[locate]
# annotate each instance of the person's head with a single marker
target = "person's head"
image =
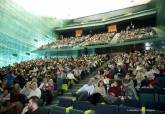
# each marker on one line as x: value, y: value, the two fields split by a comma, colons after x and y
x: 98, y: 72
x: 127, y: 77
x: 28, y: 85
x: 116, y: 77
x: 126, y: 83
x: 45, y: 80
x: 33, y: 103
x: 5, y: 91
x: 16, y: 88
x: 114, y: 83
x: 34, y: 85
x: 100, y: 83
x: 34, y: 79
x: 51, y: 81
x: 90, y: 82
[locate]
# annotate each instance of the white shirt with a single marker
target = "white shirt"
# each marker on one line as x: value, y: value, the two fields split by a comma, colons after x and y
x: 149, y: 74
x: 90, y: 89
x: 70, y: 76
x: 36, y: 92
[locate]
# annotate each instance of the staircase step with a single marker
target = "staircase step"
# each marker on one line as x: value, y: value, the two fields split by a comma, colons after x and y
x: 69, y: 94
x: 67, y: 97
x: 80, y: 84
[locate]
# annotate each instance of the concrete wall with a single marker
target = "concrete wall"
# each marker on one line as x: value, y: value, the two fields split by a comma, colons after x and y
x: 107, y: 15
x: 160, y: 7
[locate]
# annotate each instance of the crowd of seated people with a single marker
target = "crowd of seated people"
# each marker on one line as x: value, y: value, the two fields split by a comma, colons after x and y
x: 66, y: 42
x: 136, y: 34
x: 124, y: 76
x: 39, y: 78
x: 102, y: 38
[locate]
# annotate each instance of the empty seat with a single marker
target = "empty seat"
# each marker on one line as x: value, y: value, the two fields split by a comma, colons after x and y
x: 82, y: 105
x: 161, y: 96
x: 48, y: 110
x: 63, y: 104
x: 147, y: 95
x: 149, y: 105
x: 79, y: 107
x: 161, y: 81
x: 106, y: 109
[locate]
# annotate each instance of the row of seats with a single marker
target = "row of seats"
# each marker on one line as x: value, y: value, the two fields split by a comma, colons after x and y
x: 121, y: 107
x: 159, y: 75
x: 161, y: 79
x: 152, y: 95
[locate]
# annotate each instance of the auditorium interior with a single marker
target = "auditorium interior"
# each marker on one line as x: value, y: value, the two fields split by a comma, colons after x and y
x: 82, y: 57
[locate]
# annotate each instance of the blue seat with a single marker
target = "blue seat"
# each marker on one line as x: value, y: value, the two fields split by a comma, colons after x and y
x: 48, y: 110
x: 160, y: 106
x: 129, y: 110
x: 82, y: 105
x: 161, y: 96
x: 149, y: 105
x: 118, y: 102
x: 147, y: 95
x: 155, y: 106
x: 79, y: 107
x: 57, y: 112
x: 155, y: 112
x: 161, y: 81
x: 131, y: 103
x: 63, y: 104
x: 106, y: 109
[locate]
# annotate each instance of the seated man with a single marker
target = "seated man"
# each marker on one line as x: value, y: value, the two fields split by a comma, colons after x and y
x: 129, y: 90
x: 33, y: 107
x: 100, y: 93
x: 5, y: 96
x: 85, y: 91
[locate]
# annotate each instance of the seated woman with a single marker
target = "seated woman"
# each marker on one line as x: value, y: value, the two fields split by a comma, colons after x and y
x: 5, y: 96
x: 114, y: 92
x: 99, y: 94
x: 98, y: 75
x: 35, y: 91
